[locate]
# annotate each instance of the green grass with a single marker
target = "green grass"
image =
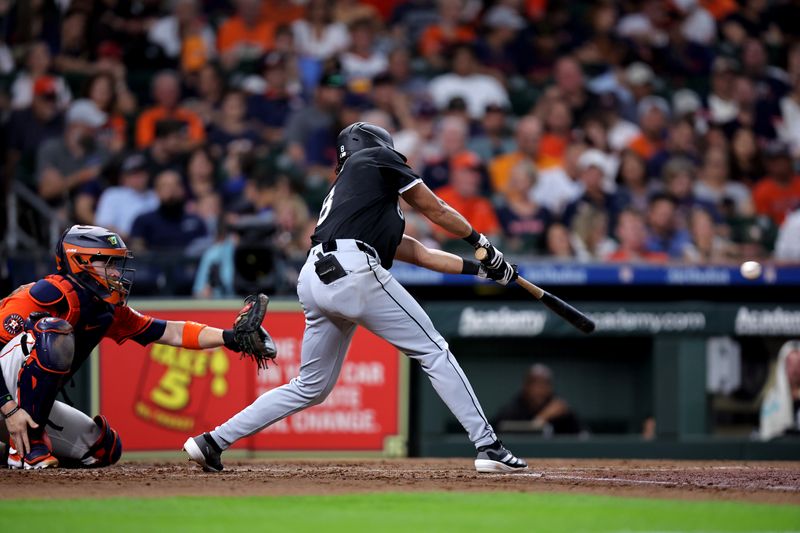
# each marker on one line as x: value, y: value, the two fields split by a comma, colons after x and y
x: 406, y: 512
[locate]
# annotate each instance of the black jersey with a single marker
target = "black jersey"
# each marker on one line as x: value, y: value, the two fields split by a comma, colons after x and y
x: 363, y: 202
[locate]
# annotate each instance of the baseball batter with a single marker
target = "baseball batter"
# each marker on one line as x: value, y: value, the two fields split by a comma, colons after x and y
x: 49, y: 328
x: 346, y: 283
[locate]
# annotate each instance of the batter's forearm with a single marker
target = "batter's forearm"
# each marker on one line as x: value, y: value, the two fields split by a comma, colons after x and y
x: 412, y: 251
x: 451, y: 220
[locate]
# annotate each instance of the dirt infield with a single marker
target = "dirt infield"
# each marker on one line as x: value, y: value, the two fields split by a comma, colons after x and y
x: 771, y: 482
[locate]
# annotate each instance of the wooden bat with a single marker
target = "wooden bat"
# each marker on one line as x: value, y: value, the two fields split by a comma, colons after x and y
x: 556, y: 304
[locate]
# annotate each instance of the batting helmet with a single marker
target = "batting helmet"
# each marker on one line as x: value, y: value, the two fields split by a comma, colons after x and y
x: 361, y: 135
x: 82, y: 248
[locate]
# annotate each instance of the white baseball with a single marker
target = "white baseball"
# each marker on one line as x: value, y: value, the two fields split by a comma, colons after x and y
x: 750, y: 269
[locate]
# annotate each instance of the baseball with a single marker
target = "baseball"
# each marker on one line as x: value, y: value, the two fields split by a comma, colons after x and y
x: 750, y: 269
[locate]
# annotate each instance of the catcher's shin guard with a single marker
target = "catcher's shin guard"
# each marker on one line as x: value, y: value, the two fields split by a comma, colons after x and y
x: 46, y: 367
x: 107, y: 449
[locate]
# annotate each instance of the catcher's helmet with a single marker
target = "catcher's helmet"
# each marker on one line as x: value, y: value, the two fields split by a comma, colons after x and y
x: 80, y: 246
x: 361, y: 135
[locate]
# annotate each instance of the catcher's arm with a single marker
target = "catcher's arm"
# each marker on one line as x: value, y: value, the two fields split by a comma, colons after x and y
x: 208, y: 337
x: 247, y: 336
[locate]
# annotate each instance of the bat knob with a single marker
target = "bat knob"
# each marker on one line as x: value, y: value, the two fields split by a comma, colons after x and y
x: 481, y: 253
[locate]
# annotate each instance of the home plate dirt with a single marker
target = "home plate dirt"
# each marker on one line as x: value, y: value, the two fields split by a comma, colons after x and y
x: 773, y: 482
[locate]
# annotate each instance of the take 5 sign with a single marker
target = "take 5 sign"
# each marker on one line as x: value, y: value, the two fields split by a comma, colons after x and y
x: 156, y: 396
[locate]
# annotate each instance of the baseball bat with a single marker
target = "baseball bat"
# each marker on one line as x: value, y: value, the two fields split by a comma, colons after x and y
x: 556, y: 304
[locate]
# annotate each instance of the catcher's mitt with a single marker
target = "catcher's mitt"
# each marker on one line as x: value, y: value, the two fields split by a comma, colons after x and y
x: 251, y: 338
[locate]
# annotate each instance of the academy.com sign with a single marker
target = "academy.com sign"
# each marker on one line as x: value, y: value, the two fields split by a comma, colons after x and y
x: 503, y: 322
x: 643, y: 321
x: 776, y: 321
x: 506, y: 322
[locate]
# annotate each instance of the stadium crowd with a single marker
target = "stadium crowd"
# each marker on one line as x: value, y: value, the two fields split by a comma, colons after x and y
x: 637, y: 131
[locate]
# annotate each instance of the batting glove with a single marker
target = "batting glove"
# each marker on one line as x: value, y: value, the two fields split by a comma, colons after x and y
x: 503, y: 275
x: 494, y: 259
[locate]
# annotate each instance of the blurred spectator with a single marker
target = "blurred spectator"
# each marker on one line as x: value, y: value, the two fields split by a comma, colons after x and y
x: 679, y: 177
x: 465, y: 81
x: 633, y: 187
x: 363, y: 61
x: 787, y: 246
x: 524, y: 222
x: 166, y: 94
x: 631, y: 234
x: 406, y: 81
x: 169, y: 227
x: 557, y: 120
x: 707, y: 247
x: 789, y: 128
x: 537, y: 407
x: 499, y: 50
x: 593, y: 166
x: 200, y: 174
x: 722, y: 105
x: 68, y: 166
x: 570, y: 87
x: 111, y: 98
x: 310, y: 134
x: 494, y: 138
x: 663, y: 234
x: 697, y: 25
x: 231, y: 127
x: 557, y: 187
x: 746, y: 160
x: 463, y: 194
x: 772, y: 83
x: 166, y: 151
x: 452, y: 141
x: 318, y: 36
x: 387, y: 98
x: 589, y: 235
x: 74, y: 57
x: 210, y: 88
x: 681, y: 142
x: 38, y: 63
x: 559, y: 245
x: 715, y: 187
x: 246, y: 36
x: 448, y: 31
x: 778, y: 192
x: 270, y: 108
x: 528, y: 137
x: 638, y: 83
x: 216, y: 271
x: 184, y: 36
x: 653, y: 113
x: 119, y: 206
x: 27, y: 129
x: 620, y: 132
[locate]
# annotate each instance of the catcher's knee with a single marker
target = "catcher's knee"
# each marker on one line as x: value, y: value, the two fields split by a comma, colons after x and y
x: 107, y: 449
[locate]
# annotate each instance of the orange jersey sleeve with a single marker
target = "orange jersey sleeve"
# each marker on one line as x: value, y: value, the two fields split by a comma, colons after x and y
x: 131, y: 324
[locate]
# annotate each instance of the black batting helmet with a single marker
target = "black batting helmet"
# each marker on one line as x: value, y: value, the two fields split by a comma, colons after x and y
x: 361, y: 135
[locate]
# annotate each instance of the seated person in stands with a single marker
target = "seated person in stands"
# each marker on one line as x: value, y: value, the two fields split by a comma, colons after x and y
x: 537, y: 408
x: 170, y: 226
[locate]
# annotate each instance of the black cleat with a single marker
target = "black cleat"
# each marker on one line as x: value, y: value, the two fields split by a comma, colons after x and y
x: 496, y: 458
x: 204, y: 451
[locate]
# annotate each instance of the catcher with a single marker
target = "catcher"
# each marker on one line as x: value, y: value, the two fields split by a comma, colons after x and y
x: 50, y: 328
